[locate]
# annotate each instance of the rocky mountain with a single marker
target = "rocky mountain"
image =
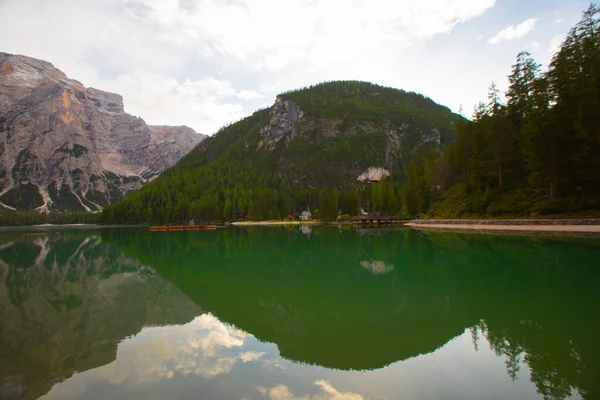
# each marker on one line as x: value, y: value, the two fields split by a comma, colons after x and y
x: 67, y: 147
x: 325, y: 147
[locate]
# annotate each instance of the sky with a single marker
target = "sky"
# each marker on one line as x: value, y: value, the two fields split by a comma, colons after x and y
x: 208, y: 63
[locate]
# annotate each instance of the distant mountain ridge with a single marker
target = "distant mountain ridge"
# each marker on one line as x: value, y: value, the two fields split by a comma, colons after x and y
x: 67, y: 147
x: 320, y: 147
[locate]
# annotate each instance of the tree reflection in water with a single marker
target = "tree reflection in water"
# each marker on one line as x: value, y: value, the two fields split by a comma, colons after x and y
x: 334, y: 298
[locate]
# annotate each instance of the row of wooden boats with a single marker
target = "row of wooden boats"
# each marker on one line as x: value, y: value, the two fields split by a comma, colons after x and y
x: 164, y: 228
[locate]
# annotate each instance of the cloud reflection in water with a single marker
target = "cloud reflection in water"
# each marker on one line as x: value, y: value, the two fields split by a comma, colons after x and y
x: 282, y: 392
x: 205, y: 347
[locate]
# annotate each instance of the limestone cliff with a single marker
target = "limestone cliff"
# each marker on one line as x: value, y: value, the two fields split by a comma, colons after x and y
x: 284, y: 115
x: 65, y: 146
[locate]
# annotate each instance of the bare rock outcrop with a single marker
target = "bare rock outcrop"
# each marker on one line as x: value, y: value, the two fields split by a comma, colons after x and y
x: 373, y: 174
x: 284, y: 116
x: 64, y: 146
x: 110, y: 102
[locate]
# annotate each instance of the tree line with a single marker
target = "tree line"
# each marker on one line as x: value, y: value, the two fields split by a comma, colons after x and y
x: 536, y: 153
x: 33, y: 217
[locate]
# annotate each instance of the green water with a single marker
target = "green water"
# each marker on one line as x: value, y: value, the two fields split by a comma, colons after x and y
x: 298, y: 313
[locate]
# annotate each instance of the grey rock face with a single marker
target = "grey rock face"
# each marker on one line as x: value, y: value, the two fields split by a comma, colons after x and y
x: 169, y: 144
x: 110, y: 102
x: 284, y: 115
x: 64, y: 146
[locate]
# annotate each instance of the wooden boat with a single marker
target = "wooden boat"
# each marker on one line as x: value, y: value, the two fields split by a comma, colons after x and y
x: 208, y: 227
x: 158, y: 228
x: 191, y: 228
x: 175, y: 228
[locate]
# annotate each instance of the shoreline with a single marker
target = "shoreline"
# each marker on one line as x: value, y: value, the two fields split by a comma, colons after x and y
x: 59, y: 226
x: 541, y: 225
x: 53, y: 225
x: 266, y: 223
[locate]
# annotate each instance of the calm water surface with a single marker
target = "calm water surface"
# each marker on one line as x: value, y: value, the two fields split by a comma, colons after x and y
x: 299, y: 313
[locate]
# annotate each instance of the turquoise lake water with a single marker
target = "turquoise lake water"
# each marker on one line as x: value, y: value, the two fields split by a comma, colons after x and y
x: 297, y: 313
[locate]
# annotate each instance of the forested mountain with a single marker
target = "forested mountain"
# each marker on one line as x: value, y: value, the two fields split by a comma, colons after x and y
x: 538, y: 153
x: 322, y: 147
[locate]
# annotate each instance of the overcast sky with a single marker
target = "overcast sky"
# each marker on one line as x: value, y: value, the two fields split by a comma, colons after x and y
x: 206, y: 63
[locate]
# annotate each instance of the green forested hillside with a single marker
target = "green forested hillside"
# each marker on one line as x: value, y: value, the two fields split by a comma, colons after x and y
x: 535, y: 153
x: 538, y: 153
x: 355, y: 101
x: 305, y: 151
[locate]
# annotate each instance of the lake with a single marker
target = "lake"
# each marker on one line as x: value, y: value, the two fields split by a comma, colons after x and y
x: 297, y: 313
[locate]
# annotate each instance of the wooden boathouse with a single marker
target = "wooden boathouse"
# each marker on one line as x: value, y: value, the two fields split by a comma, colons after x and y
x: 376, y: 217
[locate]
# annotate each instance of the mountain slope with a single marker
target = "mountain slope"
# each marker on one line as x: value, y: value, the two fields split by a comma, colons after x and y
x: 307, y: 150
x: 64, y: 146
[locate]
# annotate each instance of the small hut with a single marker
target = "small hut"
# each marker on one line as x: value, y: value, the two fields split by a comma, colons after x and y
x: 306, y: 215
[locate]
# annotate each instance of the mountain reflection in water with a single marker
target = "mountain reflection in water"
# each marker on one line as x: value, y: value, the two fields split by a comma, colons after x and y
x: 127, y: 306
x: 66, y: 301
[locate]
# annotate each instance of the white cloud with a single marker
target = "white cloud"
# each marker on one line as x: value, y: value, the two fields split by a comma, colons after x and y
x: 204, y: 63
x: 208, y: 63
x: 532, y: 46
x: 249, y: 95
x: 558, y: 19
x: 555, y: 44
x: 204, y: 104
x: 514, y: 32
x: 276, y: 36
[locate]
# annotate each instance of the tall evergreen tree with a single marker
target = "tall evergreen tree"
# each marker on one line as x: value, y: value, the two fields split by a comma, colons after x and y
x: 574, y: 77
x: 499, y: 131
